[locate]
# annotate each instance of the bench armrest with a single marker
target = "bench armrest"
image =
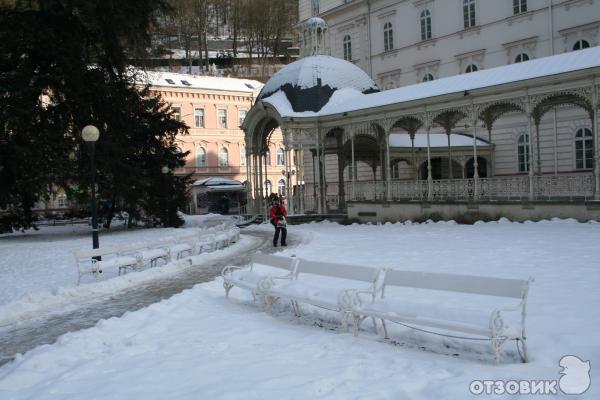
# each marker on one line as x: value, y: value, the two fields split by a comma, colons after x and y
x: 352, y: 297
x: 228, y: 270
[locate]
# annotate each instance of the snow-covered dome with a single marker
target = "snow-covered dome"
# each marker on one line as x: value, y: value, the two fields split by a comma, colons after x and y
x: 310, y: 82
x: 315, y: 22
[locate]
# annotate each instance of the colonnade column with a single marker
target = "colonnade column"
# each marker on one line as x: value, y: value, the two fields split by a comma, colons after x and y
x: 323, y: 179
x: 450, y: 172
x: 248, y: 183
x: 475, y: 161
x: 596, y: 138
x: 317, y: 169
x: 529, y: 152
x: 388, y: 175
x: 353, y: 169
x: 429, y: 176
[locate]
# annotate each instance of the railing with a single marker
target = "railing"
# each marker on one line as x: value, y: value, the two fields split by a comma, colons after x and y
x: 560, y: 187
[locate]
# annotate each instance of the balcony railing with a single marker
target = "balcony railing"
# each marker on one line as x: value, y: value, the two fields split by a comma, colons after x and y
x: 567, y: 187
x: 210, y: 170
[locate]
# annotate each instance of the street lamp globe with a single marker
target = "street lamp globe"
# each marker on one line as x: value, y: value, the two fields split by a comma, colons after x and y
x: 90, y: 133
x: 165, y: 170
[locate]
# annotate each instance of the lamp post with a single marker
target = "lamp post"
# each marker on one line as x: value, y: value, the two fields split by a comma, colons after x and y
x: 90, y: 135
x: 165, y: 171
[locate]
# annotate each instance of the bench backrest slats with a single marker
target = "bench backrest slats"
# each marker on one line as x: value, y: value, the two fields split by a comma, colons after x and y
x: 501, y: 287
x: 269, y: 260
x: 354, y: 272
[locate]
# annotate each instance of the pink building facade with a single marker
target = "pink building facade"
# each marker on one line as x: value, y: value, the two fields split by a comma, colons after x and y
x: 214, y: 108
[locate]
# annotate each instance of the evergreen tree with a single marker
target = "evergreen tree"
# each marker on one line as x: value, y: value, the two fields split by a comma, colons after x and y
x: 63, y: 65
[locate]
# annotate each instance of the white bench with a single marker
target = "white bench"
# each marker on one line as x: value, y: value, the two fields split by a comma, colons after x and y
x: 246, y: 277
x: 87, y: 263
x: 149, y: 252
x: 446, y: 302
x: 329, y: 290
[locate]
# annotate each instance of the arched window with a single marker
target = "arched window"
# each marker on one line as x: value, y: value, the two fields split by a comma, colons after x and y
x: 584, y: 149
x: 428, y: 77
x: 347, y: 48
x: 521, y: 57
x: 388, y: 37
x: 200, y: 157
x: 523, y: 152
x: 469, y: 13
x: 280, y: 157
x: 281, y: 187
x: 243, y: 154
x: 268, y: 187
x: 268, y: 158
x: 471, y: 68
x: 519, y: 6
x: 223, y: 157
x: 425, y: 24
x: 581, y: 44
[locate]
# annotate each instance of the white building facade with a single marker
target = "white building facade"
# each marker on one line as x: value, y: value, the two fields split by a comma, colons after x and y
x: 404, y: 42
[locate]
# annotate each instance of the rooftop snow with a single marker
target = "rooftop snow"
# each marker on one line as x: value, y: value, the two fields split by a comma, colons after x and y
x: 155, y: 78
x: 319, y: 70
x: 547, y: 66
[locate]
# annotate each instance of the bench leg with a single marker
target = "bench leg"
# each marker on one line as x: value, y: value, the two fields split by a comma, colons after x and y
x: 297, y: 309
x: 227, y: 287
x: 385, y: 331
x: 497, y: 344
x: 375, y: 325
x: 356, y: 324
x: 523, y: 353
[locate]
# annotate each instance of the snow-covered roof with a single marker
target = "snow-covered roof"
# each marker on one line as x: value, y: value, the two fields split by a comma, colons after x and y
x: 542, y: 67
x: 310, y: 82
x: 435, y: 139
x: 216, y: 181
x: 176, y: 80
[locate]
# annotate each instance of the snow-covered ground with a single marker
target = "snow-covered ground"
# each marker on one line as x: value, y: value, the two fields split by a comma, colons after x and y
x: 37, y: 268
x: 199, y: 345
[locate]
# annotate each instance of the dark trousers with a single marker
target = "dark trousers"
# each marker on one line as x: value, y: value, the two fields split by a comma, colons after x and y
x: 283, y: 235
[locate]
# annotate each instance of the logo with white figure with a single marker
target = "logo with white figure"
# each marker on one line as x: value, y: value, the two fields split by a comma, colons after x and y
x: 574, y: 379
x: 575, y: 375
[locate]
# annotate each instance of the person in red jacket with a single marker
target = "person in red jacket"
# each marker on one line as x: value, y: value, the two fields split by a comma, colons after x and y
x: 278, y: 214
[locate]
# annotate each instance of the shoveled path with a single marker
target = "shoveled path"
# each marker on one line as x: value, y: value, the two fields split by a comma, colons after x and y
x: 45, y: 330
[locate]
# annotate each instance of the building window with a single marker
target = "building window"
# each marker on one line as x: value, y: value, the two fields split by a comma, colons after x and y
x: 471, y: 68
x: 523, y: 152
x: 519, y: 6
x: 428, y: 77
x: 469, y: 13
x: 200, y: 157
x: 280, y: 157
x: 281, y: 187
x: 222, y: 117
x: 176, y: 113
x: 581, y: 44
x: 242, y: 116
x: 268, y: 158
x: 199, y: 118
x: 521, y: 58
x: 268, y: 187
x: 242, y: 154
x: 223, y: 157
x: 425, y: 25
x: 315, y: 7
x: 61, y: 200
x: 388, y: 37
x: 584, y: 149
x: 347, y: 48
